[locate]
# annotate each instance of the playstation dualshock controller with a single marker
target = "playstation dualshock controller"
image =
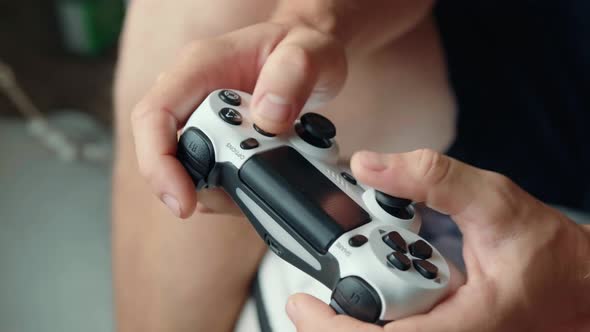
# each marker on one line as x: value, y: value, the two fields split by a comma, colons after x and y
x: 357, y: 241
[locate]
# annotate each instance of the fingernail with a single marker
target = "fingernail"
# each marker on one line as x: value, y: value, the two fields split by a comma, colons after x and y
x: 274, y: 108
x: 172, y: 204
x: 372, y: 161
x: 292, y: 310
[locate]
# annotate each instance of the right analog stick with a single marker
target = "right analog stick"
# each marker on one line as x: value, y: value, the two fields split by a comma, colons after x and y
x: 316, y: 130
x: 397, y: 207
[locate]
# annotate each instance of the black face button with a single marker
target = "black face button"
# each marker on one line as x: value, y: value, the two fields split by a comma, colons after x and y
x: 262, y: 132
x: 354, y: 297
x: 348, y: 178
x: 230, y: 97
x: 250, y: 143
x: 231, y: 116
x: 397, y: 207
x: 399, y: 261
x: 425, y: 268
x: 420, y: 249
x: 316, y: 130
x: 357, y: 241
x: 396, y: 242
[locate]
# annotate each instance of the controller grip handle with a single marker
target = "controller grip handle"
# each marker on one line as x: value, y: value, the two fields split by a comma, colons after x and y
x: 356, y: 298
x: 195, y: 152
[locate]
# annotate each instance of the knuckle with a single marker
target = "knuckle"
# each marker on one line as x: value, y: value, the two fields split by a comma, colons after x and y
x: 145, y: 171
x: 498, y: 180
x: 506, y: 198
x: 434, y: 168
x: 280, y: 28
x: 139, y: 112
x: 192, y: 49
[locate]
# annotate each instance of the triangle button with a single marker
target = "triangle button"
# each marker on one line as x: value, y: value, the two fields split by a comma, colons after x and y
x: 231, y: 116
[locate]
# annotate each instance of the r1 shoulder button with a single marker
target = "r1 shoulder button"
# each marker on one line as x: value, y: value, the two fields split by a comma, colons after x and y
x: 250, y: 143
x: 357, y: 241
x: 231, y: 116
x: 230, y: 97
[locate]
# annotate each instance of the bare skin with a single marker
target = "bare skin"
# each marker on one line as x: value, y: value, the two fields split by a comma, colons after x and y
x: 348, y: 56
x: 175, y: 276
x: 527, y: 264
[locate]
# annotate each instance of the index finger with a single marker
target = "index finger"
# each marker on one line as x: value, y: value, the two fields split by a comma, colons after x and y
x: 229, y: 62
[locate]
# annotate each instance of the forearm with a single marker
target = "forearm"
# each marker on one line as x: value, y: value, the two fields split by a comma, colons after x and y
x: 363, y: 25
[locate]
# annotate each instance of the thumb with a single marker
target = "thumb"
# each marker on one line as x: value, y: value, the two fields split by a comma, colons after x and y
x: 305, y: 65
x: 310, y: 314
x: 473, y: 197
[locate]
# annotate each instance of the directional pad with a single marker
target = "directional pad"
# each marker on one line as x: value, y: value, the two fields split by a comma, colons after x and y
x: 396, y: 242
x: 400, y: 258
x: 420, y: 249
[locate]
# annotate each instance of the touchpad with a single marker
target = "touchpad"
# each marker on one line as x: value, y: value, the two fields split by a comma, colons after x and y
x: 308, y: 201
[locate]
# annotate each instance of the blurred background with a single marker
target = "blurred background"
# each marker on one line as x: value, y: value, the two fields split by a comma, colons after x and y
x: 57, y: 59
x: 56, y: 70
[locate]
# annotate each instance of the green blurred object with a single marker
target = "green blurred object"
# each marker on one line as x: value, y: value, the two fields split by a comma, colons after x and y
x: 90, y: 27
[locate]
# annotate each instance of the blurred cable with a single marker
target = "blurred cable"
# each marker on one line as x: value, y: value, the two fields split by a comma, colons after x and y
x: 16, y: 94
x: 38, y: 126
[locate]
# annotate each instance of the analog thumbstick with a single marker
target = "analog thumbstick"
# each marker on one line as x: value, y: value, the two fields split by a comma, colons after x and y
x: 397, y: 207
x: 316, y: 130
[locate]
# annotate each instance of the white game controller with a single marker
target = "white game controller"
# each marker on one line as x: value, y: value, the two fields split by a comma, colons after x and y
x: 359, y: 242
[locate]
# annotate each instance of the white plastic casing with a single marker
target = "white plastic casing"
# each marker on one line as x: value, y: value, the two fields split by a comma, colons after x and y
x: 402, y: 293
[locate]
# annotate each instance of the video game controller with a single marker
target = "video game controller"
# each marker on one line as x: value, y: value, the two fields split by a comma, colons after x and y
x: 359, y: 242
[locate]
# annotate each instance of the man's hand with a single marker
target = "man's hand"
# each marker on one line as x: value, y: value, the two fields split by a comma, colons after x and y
x: 297, y: 58
x: 528, y: 266
x: 284, y: 66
